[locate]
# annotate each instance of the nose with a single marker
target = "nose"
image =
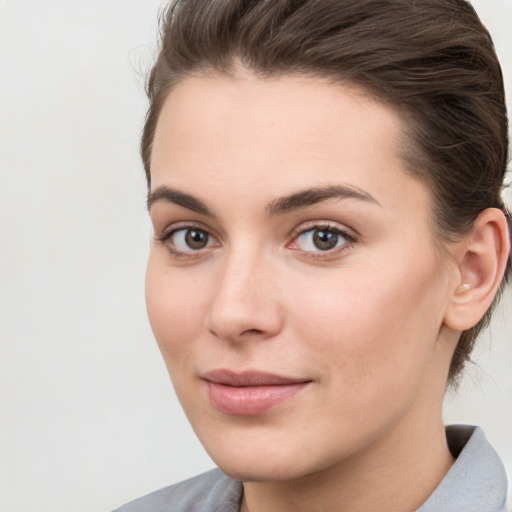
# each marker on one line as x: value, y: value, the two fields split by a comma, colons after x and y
x: 245, y: 304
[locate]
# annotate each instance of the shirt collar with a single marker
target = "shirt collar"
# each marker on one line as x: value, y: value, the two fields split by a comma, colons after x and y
x: 477, y: 480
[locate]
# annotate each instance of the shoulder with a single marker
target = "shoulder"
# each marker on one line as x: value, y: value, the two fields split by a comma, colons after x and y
x: 210, y: 492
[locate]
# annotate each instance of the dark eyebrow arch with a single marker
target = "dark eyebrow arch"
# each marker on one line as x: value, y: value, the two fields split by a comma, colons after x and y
x: 173, y: 196
x: 309, y: 197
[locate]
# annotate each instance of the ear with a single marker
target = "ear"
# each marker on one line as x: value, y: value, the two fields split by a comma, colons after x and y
x: 481, y: 259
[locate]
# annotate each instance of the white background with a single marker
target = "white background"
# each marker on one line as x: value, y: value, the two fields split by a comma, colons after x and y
x: 88, y: 419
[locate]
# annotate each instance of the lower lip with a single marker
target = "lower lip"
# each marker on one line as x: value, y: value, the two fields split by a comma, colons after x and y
x: 251, y: 400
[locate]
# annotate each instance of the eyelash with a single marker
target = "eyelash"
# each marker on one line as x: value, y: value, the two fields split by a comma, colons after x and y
x: 167, y: 235
x: 326, y: 227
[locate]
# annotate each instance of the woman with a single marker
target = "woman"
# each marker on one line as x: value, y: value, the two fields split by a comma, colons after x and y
x: 329, y: 239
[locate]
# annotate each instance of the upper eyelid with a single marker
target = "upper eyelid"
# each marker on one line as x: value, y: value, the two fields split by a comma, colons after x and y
x: 316, y: 224
x: 177, y: 226
x: 338, y: 232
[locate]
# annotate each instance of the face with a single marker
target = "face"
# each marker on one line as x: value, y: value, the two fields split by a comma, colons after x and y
x: 293, y: 283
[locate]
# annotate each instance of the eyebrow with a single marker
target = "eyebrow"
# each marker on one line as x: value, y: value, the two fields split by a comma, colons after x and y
x: 281, y: 205
x: 173, y: 196
x: 311, y: 196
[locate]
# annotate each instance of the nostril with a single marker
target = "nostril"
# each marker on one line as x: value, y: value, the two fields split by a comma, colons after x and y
x: 248, y: 333
x: 251, y: 331
x: 237, y: 317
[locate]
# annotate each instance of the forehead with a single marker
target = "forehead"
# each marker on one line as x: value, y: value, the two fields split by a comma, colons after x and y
x: 292, y: 102
x: 253, y: 134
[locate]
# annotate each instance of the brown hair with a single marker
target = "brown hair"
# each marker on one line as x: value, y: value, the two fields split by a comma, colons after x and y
x: 432, y: 60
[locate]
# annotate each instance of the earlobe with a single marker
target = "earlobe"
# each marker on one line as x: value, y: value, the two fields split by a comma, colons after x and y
x: 481, y: 262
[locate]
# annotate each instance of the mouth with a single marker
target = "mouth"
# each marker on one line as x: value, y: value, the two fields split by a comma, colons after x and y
x: 250, y: 393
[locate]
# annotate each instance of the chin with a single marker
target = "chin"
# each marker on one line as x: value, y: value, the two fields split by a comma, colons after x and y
x: 241, y: 464
x: 268, y: 463
x: 264, y: 472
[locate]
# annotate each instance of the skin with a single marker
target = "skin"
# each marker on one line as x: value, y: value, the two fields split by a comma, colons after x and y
x: 363, y: 323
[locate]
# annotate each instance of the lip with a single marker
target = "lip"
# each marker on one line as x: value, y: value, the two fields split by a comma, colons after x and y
x: 251, y: 392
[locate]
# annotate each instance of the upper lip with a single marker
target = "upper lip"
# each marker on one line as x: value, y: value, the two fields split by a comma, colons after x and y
x: 249, y: 378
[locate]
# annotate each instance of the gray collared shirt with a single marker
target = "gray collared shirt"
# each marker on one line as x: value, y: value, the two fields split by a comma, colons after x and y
x: 476, y: 483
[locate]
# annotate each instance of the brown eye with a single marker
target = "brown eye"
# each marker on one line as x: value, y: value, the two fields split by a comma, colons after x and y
x: 322, y: 239
x: 325, y: 240
x: 196, y: 239
x: 189, y: 239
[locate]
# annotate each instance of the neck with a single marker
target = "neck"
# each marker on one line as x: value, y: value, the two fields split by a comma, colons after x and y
x: 395, y: 474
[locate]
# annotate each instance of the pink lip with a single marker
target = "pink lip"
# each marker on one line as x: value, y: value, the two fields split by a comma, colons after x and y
x: 249, y: 393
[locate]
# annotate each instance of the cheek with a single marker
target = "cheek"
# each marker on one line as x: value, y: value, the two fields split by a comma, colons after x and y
x: 373, y: 324
x: 174, y: 305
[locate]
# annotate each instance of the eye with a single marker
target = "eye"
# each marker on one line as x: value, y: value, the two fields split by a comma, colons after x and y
x: 194, y: 239
x: 322, y: 239
x: 187, y: 239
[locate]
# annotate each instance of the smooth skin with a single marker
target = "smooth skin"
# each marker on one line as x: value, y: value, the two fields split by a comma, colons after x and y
x: 346, y: 290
